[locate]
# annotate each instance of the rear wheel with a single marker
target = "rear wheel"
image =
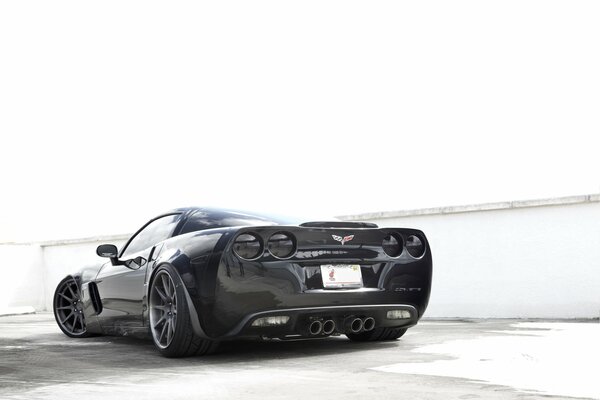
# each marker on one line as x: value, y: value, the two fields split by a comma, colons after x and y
x: 169, y: 317
x: 377, y: 334
x: 68, y: 309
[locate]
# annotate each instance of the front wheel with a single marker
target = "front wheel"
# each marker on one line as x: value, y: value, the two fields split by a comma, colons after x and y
x: 68, y: 309
x: 169, y: 317
x: 377, y: 334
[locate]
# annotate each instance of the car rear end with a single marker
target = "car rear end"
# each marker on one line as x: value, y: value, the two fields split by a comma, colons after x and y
x: 317, y: 280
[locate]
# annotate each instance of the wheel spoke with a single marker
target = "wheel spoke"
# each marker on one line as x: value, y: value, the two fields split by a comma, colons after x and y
x: 64, y: 308
x: 65, y: 297
x: 165, y: 282
x: 170, y: 331
x: 67, y: 317
x: 162, y: 333
x: 159, y: 321
x: 162, y: 295
x: 72, y: 292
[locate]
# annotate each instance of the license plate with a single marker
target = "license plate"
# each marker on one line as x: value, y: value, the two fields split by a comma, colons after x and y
x: 341, y: 275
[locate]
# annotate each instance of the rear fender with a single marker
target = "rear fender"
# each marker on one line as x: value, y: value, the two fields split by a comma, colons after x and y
x: 182, y: 265
x: 196, y: 259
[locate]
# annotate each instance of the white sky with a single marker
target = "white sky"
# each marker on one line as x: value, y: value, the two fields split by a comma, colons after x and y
x: 111, y: 112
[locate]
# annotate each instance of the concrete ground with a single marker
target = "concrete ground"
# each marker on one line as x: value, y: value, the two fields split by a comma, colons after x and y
x: 484, y: 359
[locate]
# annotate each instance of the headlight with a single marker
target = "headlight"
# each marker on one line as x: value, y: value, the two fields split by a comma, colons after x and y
x: 282, y: 245
x: 415, y: 246
x: 248, y: 246
x: 392, y: 244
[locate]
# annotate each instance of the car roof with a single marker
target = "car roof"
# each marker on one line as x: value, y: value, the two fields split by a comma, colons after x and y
x: 216, y: 212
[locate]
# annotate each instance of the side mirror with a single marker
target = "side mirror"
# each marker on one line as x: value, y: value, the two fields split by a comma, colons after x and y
x: 111, y: 251
x: 107, y: 250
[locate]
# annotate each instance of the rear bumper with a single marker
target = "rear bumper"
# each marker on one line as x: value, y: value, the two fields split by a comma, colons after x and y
x: 301, y: 318
x: 241, y: 294
x: 228, y: 293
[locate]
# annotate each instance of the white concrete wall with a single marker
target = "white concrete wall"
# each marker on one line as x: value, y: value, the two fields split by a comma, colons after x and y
x: 63, y: 259
x: 521, y: 259
x: 541, y: 261
x: 22, y: 279
x: 32, y: 271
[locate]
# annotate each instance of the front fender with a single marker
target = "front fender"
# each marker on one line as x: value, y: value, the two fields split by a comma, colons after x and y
x: 83, y: 278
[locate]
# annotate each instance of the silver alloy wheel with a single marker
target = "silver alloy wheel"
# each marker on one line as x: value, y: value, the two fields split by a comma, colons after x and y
x: 69, y: 308
x: 163, y: 309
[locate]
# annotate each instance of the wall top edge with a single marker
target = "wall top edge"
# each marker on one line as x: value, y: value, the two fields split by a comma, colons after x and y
x: 63, y: 242
x: 505, y: 205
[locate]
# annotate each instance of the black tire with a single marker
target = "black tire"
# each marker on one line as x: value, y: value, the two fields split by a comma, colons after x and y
x: 68, y: 309
x: 377, y: 334
x: 169, y: 318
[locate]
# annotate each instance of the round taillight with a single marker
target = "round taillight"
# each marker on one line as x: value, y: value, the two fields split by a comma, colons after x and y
x: 248, y: 246
x: 282, y: 245
x: 415, y: 246
x: 392, y: 244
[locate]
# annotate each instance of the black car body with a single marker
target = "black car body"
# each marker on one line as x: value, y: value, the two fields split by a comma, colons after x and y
x: 228, y: 274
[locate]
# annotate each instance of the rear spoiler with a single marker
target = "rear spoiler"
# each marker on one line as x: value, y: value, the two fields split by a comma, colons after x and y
x: 338, y: 224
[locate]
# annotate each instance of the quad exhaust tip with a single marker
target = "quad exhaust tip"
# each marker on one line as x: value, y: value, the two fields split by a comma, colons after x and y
x: 354, y: 324
x: 315, y: 327
x: 328, y: 327
x: 369, y: 324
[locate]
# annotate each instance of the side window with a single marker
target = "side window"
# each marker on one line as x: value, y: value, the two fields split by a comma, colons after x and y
x: 153, y: 233
x: 200, y: 221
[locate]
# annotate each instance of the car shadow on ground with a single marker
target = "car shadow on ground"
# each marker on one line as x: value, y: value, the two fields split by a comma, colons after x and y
x: 242, y: 350
x: 53, y: 359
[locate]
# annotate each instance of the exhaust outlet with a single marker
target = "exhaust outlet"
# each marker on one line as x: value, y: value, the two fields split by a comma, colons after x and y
x: 315, y: 327
x: 353, y: 324
x: 369, y: 324
x: 328, y: 327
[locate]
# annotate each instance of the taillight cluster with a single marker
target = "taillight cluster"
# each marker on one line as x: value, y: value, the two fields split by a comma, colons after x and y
x: 283, y: 245
x: 415, y: 246
x: 394, y: 243
x: 250, y: 246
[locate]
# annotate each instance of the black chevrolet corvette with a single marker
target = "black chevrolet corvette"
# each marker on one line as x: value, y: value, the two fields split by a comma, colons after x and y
x: 196, y: 276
